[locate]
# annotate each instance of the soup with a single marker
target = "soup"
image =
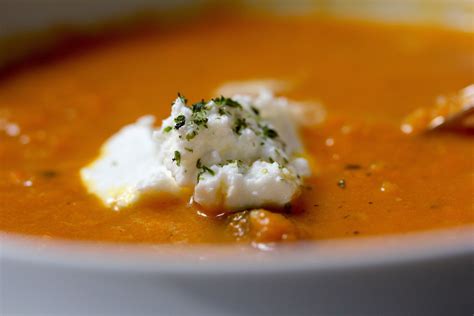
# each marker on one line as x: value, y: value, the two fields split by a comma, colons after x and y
x: 368, y: 178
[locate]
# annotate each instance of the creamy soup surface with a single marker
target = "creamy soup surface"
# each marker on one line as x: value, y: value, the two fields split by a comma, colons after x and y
x: 368, y: 178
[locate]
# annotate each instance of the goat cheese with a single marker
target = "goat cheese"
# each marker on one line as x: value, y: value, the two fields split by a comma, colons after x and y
x: 127, y: 168
x: 232, y: 153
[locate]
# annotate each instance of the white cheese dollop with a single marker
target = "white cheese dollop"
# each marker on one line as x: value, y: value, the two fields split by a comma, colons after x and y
x: 232, y: 153
x: 127, y: 168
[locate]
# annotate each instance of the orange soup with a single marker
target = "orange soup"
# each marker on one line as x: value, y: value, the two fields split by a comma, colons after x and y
x: 369, y: 178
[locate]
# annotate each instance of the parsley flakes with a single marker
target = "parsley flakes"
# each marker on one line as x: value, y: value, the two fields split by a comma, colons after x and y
x: 203, y: 169
x: 180, y: 120
x: 268, y: 132
x: 199, y: 106
x: 182, y: 98
x: 177, y: 158
x: 191, y: 135
x: 239, y: 125
x: 255, y: 110
x: 223, y: 101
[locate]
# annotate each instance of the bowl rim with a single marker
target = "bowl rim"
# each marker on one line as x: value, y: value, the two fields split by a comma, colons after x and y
x: 315, y: 256
x: 326, y: 255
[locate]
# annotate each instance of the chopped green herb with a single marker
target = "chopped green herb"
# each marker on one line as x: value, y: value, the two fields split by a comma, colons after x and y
x: 199, y: 106
x: 167, y: 129
x: 199, y: 118
x: 203, y: 169
x: 222, y: 111
x: 191, y: 135
x: 268, y: 132
x: 189, y: 149
x: 239, y: 125
x: 177, y: 158
x: 199, y: 115
x: 209, y: 170
x: 238, y: 162
x: 218, y: 101
x: 182, y: 98
x: 232, y: 103
x: 226, y: 102
x: 341, y: 183
x: 180, y: 120
x: 255, y: 110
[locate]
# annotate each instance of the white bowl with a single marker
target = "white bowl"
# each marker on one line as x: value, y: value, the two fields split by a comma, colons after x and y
x: 417, y: 274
